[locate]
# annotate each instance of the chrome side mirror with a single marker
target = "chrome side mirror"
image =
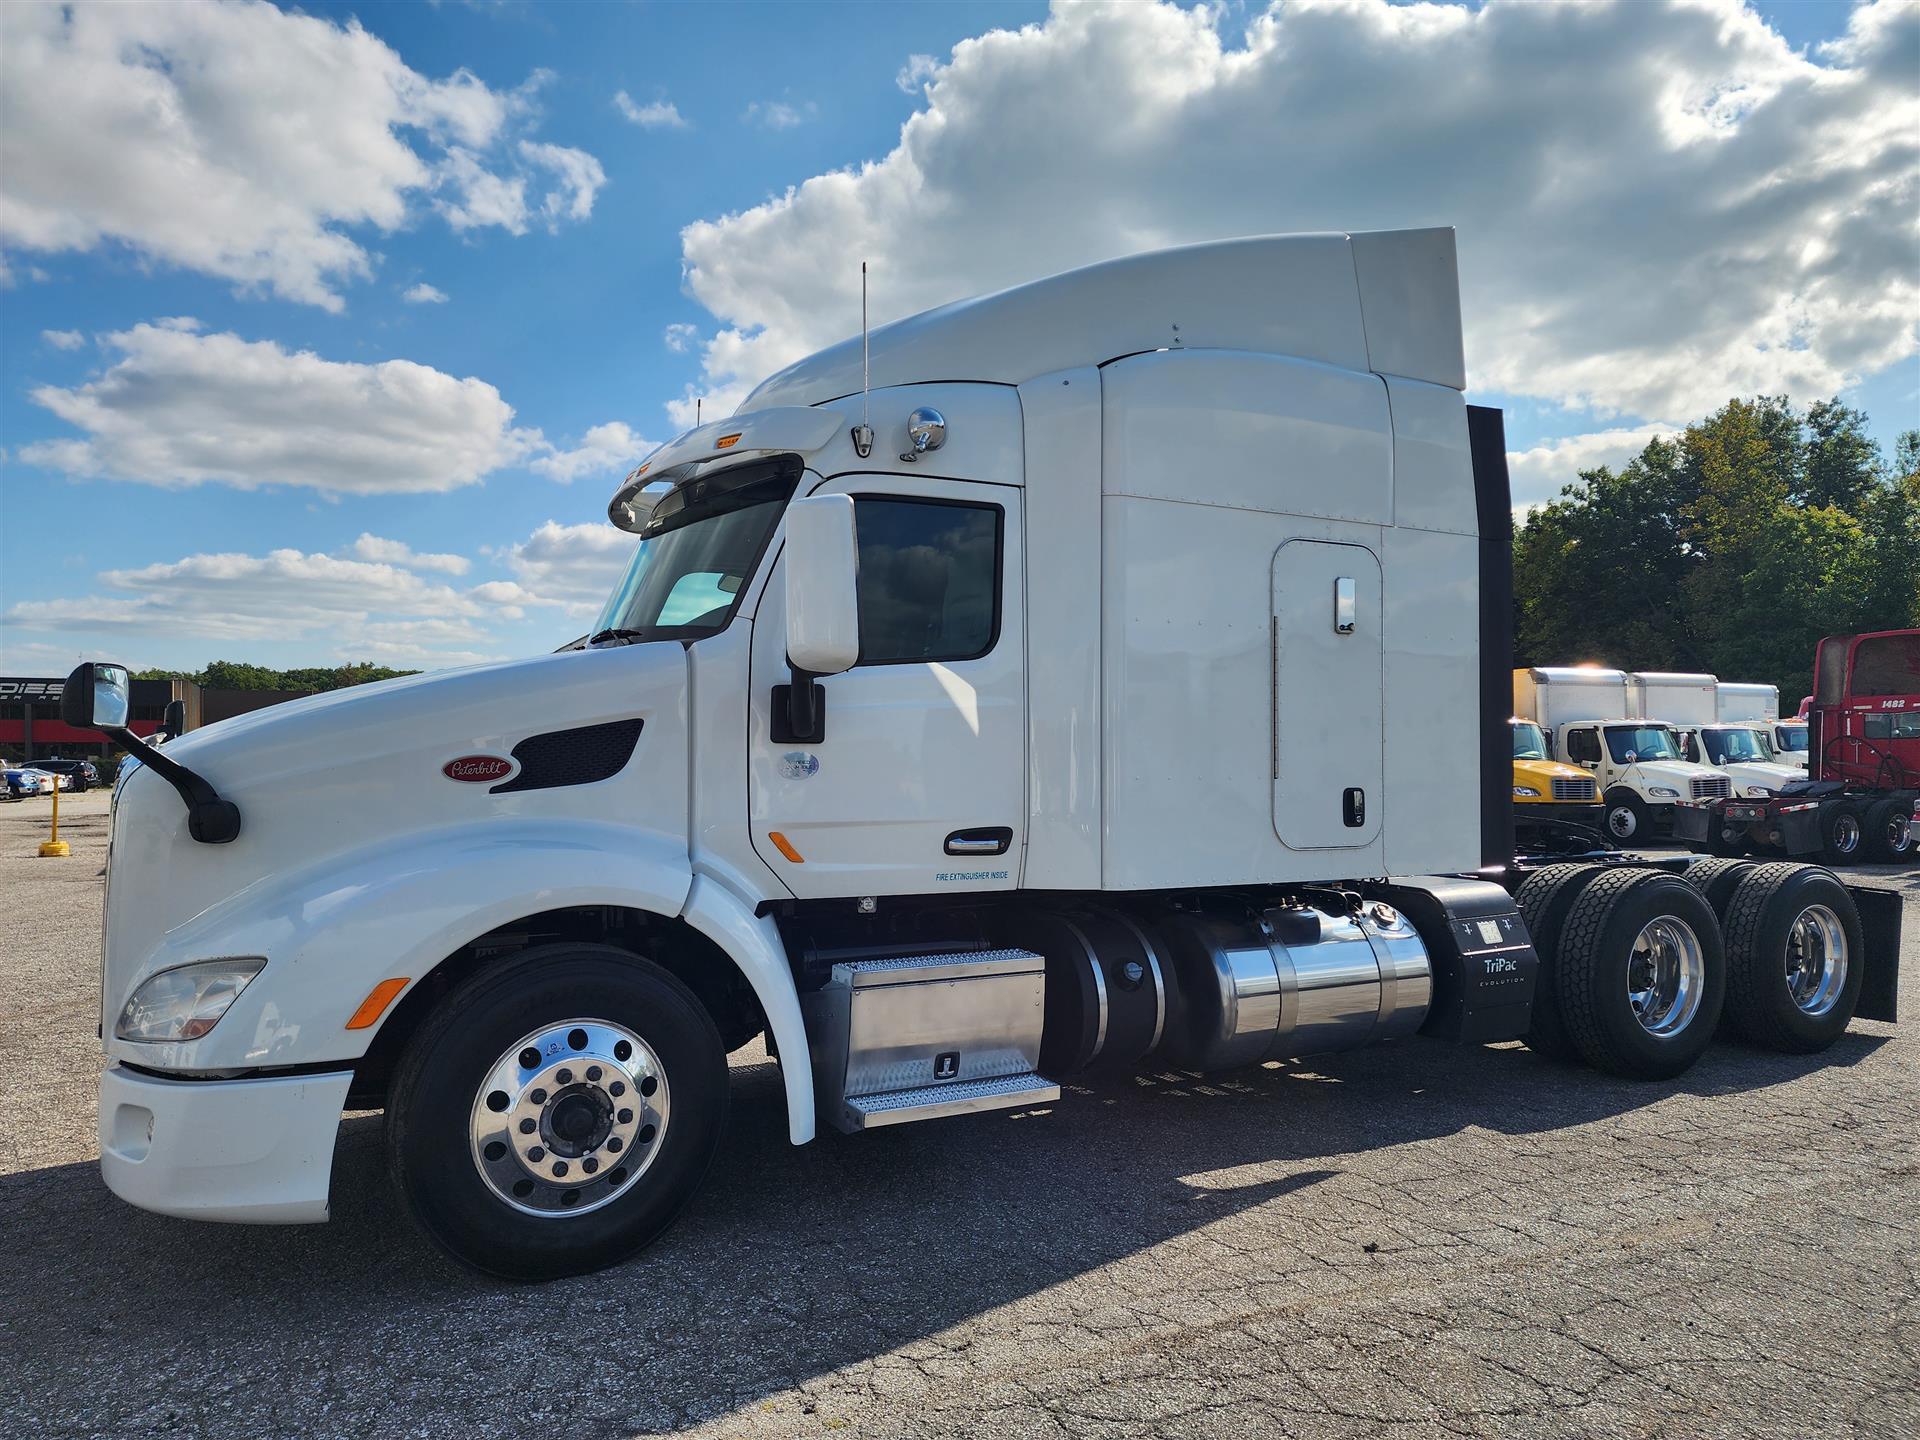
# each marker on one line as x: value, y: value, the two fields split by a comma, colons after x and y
x: 926, y: 429
x: 96, y: 697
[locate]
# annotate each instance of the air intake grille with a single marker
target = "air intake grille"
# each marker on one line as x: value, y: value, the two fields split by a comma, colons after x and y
x: 1713, y: 789
x: 1581, y: 789
x: 572, y: 757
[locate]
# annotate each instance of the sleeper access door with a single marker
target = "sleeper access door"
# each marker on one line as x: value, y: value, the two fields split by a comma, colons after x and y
x: 1327, y: 682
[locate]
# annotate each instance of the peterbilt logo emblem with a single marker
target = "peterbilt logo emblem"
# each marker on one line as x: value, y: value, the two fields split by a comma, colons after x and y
x: 477, y: 769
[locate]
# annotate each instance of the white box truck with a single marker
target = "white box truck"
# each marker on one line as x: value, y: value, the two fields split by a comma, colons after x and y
x: 1749, y: 703
x: 1691, y: 705
x: 1051, y: 705
x: 1588, y: 714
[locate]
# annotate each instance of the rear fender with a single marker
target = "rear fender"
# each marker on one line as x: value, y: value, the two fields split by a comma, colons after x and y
x: 1880, y: 919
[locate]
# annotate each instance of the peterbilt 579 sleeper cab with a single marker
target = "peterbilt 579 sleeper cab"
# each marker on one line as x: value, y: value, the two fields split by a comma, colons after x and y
x: 1064, y: 713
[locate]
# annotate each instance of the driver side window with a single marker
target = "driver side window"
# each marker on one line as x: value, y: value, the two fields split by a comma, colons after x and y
x: 1583, y: 747
x: 929, y: 579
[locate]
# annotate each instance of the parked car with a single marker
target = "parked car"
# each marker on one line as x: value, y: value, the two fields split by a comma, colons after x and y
x: 80, y: 773
x: 22, y: 782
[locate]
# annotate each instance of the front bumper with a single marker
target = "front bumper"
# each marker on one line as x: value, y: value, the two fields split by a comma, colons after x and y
x: 254, y: 1151
x: 1591, y: 812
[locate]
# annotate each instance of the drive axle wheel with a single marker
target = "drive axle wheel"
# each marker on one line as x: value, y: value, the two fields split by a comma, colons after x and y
x: 1889, y: 830
x: 555, y: 1114
x: 1642, y: 974
x: 1543, y: 900
x: 1795, y: 960
x: 1842, y: 836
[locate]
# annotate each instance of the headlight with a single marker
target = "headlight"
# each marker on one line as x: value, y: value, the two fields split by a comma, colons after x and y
x: 187, y: 1001
x: 1663, y: 792
x: 1526, y: 792
x: 1759, y: 792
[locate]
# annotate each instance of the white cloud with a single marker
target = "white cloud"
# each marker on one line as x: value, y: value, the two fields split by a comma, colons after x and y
x: 915, y: 74
x: 286, y: 131
x: 63, y: 339
x: 572, y: 566
x: 679, y: 337
x: 779, y: 114
x: 358, y: 609
x: 1538, y: 474
x: 424, y: 294
x: 180, y: 408
x: 1658, y: 205
x: 604, y: 449
x: 397, y: 552
x: 577, y: 175
x: 658, y: 115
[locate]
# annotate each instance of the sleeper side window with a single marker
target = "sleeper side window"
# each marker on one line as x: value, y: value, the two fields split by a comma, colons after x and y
x: 929, y: 580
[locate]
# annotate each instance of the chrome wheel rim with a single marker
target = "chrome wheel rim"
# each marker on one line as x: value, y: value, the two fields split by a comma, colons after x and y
x: 570, y: 1118
x: 1666, y: 976
x: 1846, y: 834
x: 1816, y: 960
x: 1620, y: 820
x: 1899, y: 834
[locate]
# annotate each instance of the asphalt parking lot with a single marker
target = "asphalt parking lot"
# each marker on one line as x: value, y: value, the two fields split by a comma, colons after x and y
x: 1415, y: 1240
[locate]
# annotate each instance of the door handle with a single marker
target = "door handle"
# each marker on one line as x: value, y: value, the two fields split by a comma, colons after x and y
x: 989, y: 840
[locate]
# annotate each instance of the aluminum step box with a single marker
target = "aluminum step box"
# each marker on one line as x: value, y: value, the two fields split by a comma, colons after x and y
x: 916, y: 1037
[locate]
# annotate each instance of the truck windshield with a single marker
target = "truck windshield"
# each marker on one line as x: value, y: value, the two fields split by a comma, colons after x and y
x: 1790, y: 737
x: 1627, y: 743
x: 1528, y: 742
x: 1728, y: 747
x: 686, y: 578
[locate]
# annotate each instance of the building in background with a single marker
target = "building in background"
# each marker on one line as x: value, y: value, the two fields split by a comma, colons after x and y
x: 31, y: 728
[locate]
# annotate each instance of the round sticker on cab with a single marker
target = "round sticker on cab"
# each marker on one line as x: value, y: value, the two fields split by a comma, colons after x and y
x: 478, y: 769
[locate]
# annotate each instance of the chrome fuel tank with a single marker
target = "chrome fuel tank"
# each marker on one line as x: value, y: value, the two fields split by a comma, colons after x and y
x: 1291, y: 980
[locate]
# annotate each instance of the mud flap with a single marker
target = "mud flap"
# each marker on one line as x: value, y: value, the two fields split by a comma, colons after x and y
x: 1880, y: 917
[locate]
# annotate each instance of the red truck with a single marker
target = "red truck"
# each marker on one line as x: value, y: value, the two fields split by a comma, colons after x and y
x: 1861, y: 797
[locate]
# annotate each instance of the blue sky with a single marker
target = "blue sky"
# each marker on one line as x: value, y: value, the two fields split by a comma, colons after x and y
x: 598, y: 314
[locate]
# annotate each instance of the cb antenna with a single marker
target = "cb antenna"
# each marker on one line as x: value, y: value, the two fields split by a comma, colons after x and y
x: 863, y: 432
x: 697, y: 401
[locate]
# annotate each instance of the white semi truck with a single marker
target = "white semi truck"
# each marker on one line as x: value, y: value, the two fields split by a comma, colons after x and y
x: 1693, y: 706
x: 1052, y: 705
x: 1588, y: 714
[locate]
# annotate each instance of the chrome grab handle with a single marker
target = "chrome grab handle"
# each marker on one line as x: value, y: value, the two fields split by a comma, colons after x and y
x: 985, y: 840
x: 973, y: 847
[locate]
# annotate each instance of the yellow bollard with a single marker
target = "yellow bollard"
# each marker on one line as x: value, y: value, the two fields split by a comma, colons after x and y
x: 54, y: 846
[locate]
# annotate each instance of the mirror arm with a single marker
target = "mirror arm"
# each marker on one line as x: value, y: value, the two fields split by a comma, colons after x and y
x: 803, y: 706
x: 210, y: 820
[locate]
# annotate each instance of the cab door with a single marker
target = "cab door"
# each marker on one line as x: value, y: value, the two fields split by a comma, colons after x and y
x: 918, y: 782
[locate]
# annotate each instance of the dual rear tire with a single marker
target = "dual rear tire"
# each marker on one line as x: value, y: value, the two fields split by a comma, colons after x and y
x: 1638, y: 966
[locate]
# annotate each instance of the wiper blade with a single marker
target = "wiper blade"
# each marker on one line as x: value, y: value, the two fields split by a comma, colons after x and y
x: 598, y: 636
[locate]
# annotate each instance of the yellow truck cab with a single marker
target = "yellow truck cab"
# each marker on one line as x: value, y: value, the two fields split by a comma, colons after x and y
x: 1545, y: 789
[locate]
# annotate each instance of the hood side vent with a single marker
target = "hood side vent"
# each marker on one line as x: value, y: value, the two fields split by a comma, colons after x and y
x: 572, y: 757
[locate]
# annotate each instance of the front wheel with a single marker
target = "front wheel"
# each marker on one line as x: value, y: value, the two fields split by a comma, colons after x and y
x: 1627, y: 818
x: 557, y: 1114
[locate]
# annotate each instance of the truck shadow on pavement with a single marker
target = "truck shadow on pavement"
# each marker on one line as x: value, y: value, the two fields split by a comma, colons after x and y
x: 792, y: 1263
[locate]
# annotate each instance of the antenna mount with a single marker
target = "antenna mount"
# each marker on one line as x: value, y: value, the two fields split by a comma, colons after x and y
x: 863, y: 432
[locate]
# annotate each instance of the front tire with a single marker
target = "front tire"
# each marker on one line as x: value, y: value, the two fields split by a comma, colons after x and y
x: 1642, y: 974
x: 555, y: 1115
x: 1627, y: 817
x: 1795, y: 958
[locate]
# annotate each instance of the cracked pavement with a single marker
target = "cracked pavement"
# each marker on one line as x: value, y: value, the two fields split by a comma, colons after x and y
x: 1413, y: 1240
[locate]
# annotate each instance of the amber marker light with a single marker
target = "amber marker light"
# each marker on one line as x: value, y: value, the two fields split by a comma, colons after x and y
x: 785, y: 847
x: 375, y: 1005
x: 727, y: 442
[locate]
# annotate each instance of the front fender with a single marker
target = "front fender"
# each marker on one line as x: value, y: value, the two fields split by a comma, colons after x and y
x: 332, y: 932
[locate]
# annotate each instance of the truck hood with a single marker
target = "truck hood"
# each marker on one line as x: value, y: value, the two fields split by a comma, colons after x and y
x: 1744, y: 773
x: 1674, y: 774
x: 366, y: 772
x: 1542, y: 773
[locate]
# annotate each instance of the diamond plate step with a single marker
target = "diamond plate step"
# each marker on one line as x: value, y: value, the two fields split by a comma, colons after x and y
x: 962, y: 1097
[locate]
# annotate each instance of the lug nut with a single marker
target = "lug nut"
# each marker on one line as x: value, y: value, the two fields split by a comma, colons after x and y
x: 527, y: 1126
x: 563, y: 1077
x: 589, y: 1165
x: 616, y: 1089
x: 559, y: 1168
x: 613, y: 1142
x: 593, y: 1072
x: 536, y: 1154
x: 539, y: 1097
x: 626, y: 1117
